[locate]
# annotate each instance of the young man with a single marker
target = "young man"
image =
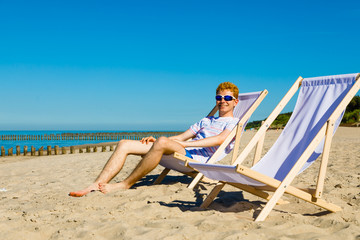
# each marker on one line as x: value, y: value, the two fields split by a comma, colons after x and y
x: 205, y: 136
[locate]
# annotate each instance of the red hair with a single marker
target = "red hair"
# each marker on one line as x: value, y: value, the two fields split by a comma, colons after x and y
x: 228, y: 86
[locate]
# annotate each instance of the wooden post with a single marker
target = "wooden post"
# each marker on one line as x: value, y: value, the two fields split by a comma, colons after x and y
x: 10, y: 152
x: 103, y: 149
x: 25, y: 150
x: 57, y: 150
x: 63, y: 150
x: 41, y: 151
x: 72, y: 150
x: 95, y: 149
x: 259, y: 147
x: 2, y: 151
x: 17, y: 150
x: 33, y: 151
x: 325, y: 158
x: 48, y: 150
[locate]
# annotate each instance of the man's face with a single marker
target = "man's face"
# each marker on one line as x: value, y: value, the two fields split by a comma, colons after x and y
x: 226, y: 107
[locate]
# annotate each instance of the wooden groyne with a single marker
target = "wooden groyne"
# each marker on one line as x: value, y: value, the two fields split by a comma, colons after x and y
x: 56, y: 150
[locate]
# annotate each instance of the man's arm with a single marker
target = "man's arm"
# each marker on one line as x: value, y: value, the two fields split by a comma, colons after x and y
x: 188, y: 134
x: 207, y: 142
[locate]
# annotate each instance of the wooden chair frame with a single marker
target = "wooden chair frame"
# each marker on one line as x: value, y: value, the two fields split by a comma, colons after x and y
x: 280, y: 187
x: 236, y: 132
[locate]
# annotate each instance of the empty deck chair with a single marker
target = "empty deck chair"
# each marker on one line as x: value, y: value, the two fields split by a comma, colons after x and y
x: 248, y: 102
x: 308, y: 133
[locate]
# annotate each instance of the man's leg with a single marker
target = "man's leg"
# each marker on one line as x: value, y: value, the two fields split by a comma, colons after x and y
x: 151, y: 159
x: 115, y: 163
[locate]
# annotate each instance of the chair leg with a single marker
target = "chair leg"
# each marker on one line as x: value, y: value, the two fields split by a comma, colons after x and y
x: 162, y: 176
x: 257, y: 192
x: 210, y: 198
x: 195, y: 181
x: 269, y: 205
x: 308, y: 197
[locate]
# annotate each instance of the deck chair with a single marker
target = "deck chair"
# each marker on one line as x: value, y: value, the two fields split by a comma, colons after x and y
x: 248, y: 102
x: 320, y: 106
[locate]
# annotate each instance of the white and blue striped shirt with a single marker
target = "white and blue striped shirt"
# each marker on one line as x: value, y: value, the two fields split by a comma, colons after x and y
x: 209, y: 127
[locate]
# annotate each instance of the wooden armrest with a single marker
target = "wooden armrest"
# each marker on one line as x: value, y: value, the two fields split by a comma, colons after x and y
x: 184, y: 158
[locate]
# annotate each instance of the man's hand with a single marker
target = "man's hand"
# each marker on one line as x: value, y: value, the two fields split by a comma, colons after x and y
x: 148, y: 140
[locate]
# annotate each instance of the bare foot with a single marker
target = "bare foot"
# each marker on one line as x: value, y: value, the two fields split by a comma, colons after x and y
x: 106, y: 187
x: 91, y: 188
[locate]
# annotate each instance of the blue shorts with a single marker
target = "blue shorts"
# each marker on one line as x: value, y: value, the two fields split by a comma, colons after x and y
x: 188, y: 154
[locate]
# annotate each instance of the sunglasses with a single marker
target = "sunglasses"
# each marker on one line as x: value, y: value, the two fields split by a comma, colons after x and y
x: 226, y: 98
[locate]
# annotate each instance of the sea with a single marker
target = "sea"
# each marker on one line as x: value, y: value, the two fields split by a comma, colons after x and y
x: 44, y: 143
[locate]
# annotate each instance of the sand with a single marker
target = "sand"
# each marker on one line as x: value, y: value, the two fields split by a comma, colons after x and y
x: 35, y: 205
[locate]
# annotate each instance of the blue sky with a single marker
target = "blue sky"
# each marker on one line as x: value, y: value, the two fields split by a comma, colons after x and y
x: 155, y: 65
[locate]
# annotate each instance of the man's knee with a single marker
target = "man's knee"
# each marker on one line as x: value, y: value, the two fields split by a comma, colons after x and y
x: 123, y: 143
x: 161, y: 142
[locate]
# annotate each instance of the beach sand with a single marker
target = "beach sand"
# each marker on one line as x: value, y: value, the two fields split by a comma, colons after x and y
x: 35, y: 203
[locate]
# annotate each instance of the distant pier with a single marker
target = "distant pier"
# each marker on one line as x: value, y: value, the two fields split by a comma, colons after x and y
x: 106, y: 136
